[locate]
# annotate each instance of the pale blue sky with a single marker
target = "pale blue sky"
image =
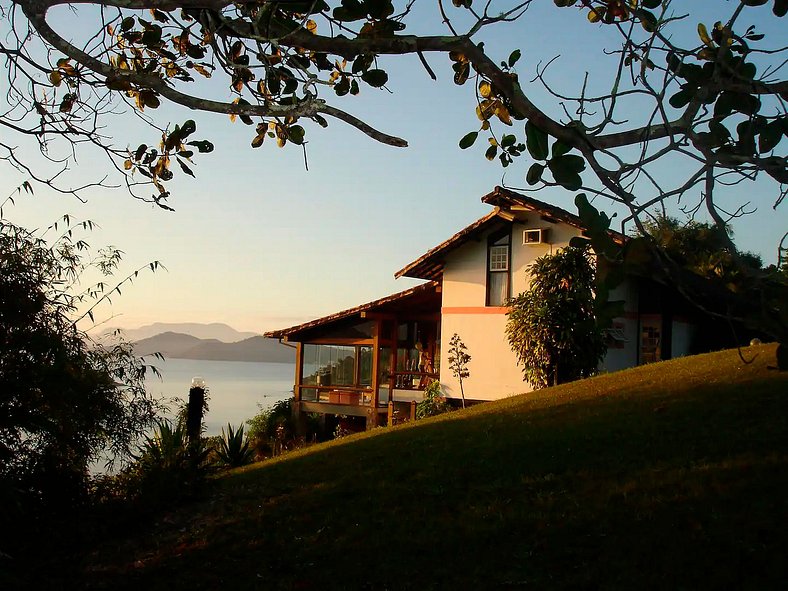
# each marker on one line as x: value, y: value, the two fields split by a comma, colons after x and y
x: 259, y: 243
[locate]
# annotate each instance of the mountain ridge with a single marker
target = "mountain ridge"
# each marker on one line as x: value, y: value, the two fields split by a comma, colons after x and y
x: 184, y: 346
x: 214, y: 330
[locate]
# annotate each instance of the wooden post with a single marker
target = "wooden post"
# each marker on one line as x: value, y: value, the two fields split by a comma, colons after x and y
x: 194, y: 412
x: 299, y: 418
x: 299, y: 362
x: 412, y: 410
x: 372, y: 418
x: 375, y: 364
x: 391, y: 413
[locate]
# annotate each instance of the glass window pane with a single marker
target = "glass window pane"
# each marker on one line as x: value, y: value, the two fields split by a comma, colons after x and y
x: 310, y: 365
x: 384, y: 365
x: 365, y: 373
x: 498, y: 288
x: 499, y: 258
x: 342, y: 365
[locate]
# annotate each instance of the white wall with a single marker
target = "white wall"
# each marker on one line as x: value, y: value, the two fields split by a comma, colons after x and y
x: 494, y: 372
x: 493, y: 367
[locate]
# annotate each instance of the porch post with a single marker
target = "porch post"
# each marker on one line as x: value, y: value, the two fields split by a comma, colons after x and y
x: 393, y: 358
x: 299, y: 362
x: 299, y: 418
x: 375, y: 354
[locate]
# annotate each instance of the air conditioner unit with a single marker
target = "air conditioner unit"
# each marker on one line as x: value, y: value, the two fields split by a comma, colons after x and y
x: 536, y: 236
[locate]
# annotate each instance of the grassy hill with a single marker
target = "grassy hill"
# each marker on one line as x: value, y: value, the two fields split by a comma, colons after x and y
x: 673, y: 475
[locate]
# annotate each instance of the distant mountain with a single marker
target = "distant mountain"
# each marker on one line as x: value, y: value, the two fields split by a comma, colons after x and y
x: 252, y: 349
x: 216, y: 330
x: 184, y: 346
x: 169, y: 344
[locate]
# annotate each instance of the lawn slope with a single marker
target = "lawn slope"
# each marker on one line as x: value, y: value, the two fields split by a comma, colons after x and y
x: 672, y: 475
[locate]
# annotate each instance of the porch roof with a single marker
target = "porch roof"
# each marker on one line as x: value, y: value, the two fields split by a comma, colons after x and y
x: 508, y: 205
x: 419, y: 299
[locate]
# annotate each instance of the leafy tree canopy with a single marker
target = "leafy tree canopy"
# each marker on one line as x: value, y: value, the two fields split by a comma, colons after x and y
x: 712, y: 97
x: 686, y: 100
x: 66, y: 401
x: 705, y: 248
x: 552, y: 327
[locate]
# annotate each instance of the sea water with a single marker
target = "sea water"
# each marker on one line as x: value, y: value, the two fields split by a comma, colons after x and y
x: 236, y: 389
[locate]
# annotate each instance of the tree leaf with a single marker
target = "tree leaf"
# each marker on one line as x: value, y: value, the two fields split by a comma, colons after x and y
x: 379, y: 9
x: 203, y: 146
x: 462, y: 71
x: 682, y: 98
x: 536, y: 141
x: 468, y: 139
x: 188, y: 128
x: 566, y: 171
x: 295, y: 133
x: 534, y: 174
x: 648, y: 21
x: 185, y: 168
x: 770, y: 137
x: 375, y: 77
x: 560, y: 148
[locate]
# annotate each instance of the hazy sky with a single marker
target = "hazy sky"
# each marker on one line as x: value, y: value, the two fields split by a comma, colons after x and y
x: 259, y: 242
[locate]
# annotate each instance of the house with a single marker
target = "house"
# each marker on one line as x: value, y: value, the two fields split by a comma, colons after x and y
x: 376, y: 359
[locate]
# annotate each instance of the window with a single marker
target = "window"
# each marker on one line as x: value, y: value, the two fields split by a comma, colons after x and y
x: 650, y: 340
x: 337, y: 365
x: 498, y: 271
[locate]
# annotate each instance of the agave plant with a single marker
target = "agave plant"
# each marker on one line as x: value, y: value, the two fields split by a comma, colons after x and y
x: 234, y: 449
x: 168, y: 466
x: 166, y: 448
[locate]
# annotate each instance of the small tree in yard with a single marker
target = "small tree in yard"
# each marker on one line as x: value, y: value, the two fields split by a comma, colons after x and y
x: 458, y: 361
x: 551, y: 327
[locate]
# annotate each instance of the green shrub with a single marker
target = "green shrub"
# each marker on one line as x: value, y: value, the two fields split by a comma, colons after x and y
x: 434, y: 403
x: 274, y: 428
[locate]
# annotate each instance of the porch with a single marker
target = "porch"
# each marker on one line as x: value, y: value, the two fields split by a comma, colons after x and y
x: 372, y: 361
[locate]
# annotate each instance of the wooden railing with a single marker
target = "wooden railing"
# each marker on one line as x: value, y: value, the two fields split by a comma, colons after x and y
x: 351, y: 395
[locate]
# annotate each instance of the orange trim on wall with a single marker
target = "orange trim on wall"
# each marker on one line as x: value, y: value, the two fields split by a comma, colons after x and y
x: 475, y: 310
x: 628, y: 315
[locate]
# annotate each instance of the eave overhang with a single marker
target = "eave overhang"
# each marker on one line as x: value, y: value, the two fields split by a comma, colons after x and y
x: 508, y: 207
x: 421, y: 295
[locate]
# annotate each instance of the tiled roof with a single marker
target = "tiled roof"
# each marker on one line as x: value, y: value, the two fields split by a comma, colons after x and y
x: 423, y: 289
x: 430, y: 264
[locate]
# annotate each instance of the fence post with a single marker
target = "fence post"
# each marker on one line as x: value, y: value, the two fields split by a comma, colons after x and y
x: 194, y: 409
x: 412, y: 410
x: 390, y: 417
